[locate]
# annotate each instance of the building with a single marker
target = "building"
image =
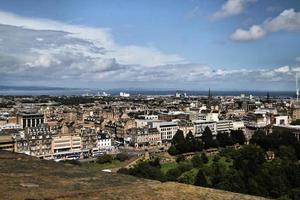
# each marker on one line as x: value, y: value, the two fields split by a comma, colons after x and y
x: 88, y: 138
x: 166, y: 129
x: 281, y: 120
x: 30, y: 119
x: 224, y: 126
x: 66, y: 147
x: 148, y: 117
x: 39, y: 140
x: 200, y: 125
x: 104, y: 141
x: 145, y: 137
x: 10, y: 127
x: 7, y: 142
x: 124, y: 94
x: 173, y: 115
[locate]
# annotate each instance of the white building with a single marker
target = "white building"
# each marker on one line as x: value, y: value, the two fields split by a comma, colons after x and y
x: 104, y: 142
x: 281, y: 120
x: 124, y: 94
x: 238, y: 125
x: 166, y: 129
x: 224, y: 125
x: 149, y: 117
x: 200, y: 125
x: 10, y: 126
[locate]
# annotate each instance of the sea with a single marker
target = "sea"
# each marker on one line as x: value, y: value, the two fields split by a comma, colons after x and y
x: 132, y: 92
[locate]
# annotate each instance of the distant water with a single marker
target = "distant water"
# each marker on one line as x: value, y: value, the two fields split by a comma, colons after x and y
x: 71, y: 92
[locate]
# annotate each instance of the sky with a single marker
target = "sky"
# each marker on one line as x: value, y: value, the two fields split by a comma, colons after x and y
x: 159, y: 44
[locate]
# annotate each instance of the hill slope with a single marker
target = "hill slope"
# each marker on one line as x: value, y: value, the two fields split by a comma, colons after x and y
x: 23, y: 177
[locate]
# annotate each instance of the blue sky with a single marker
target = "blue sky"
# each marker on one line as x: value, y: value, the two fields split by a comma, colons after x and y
x: 184, y: 44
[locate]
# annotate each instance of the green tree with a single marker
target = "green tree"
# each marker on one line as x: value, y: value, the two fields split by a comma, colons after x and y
x: 287, y: 153
x: 172, y: 150
x: 204, y: 158
x: 188, y: 177
x: 259, y: 138
x: 122, y: 157
x: 200, y: 179
x: 238, y: 137
x: 173, y: 174
x: 197, y: 161
x: 224, y: 139
x: 179, y: 142
x: 249, y: 159
x: 207, y: 138
x: 146, y: 170
x: 180, y: 158
x: 192, y: 143
x: 106, y: 158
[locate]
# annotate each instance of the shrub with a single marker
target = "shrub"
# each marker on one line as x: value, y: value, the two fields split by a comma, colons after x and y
x: 122, y: 157
x: 180, y: 158
x: 104, y: 159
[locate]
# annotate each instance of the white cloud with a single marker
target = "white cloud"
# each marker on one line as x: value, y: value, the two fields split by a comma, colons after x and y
x: 100, y: 37
x: 231, y: 8
x: 77, y: 59
x: 44, y: 60
x: 288, y: 20
x: 255, y: 32
x: 283, y: 69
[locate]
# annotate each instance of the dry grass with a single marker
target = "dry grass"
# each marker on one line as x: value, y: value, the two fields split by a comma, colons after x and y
x: 22, y: 177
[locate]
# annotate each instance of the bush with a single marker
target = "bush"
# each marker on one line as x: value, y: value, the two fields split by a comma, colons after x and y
x: 122, y: 157
x: 197, y: 161
x: 105, y: 159
x: 204, y: 158
x: 188, y: 177
x: 173, y: 174
x: 172, y: 150
x: 123, y: 171
x: 146, y: 170
x: 180, y: 158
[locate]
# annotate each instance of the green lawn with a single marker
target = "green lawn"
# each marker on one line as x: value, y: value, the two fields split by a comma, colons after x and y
x: 166, y: 166
x: 222, y: 160
x: 93, y: 167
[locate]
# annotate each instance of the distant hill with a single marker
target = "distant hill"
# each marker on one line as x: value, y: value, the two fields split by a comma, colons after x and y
x: 5, y: 87
x: 24, y: 177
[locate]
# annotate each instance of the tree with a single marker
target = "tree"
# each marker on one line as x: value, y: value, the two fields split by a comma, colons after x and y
x: 122, y: 157
x: 200, y: 179
x: 238, y: 137
x: 192, y: 143
x: 179, y: 142
x: 249, y: 159
x: 146, y: 170
x: 204, y: 158
x: 197, y: 161
x: 224, y: 139
x: 180, y: 158
x: 207, y: 138
x: 172, y: 150
x: 188, y: 177
x: 173, y: 174
x: 259, y: 138
x: 106, y: 158
x: 287, y: 153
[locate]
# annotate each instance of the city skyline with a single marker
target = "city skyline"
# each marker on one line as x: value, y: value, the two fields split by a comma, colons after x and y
x: 193, y: 45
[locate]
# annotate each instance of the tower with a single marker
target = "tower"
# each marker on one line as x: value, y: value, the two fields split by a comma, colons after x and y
x: 297, y: 89
x: 209, y: 99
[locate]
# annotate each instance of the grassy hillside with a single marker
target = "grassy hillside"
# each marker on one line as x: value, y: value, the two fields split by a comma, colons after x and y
x: 23, y: 177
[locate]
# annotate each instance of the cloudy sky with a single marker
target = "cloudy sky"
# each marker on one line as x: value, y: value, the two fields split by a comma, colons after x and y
x: 173, y: 44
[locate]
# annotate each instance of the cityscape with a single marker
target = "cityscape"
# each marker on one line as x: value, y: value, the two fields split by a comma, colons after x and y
x: 150, y: 99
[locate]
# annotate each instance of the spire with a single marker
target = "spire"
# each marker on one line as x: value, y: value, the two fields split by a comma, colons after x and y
x: 209, y: 98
